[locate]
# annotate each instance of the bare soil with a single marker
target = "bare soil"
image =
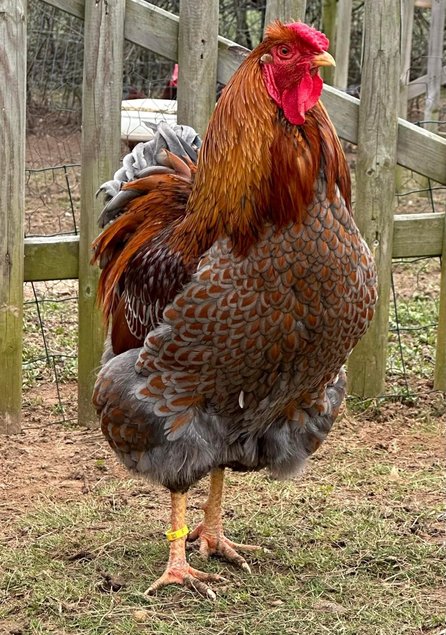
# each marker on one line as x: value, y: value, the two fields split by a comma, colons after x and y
x: 58, y: 461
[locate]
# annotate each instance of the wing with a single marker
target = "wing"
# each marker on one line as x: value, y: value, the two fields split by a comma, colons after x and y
x: 264, y: 333
x: 140, y: 275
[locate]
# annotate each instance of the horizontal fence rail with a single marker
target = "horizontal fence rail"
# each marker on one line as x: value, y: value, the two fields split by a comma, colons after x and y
x: 57, y: 258
x: 157, y: 30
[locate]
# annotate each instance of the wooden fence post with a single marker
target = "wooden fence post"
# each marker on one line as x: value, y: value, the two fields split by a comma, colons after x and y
x: 285, y: 10
x: 440, y: 353
x: 375, y: 179
x: 12, y: 205
x: 329, y: 10
x: 434, y: 63
x: 101, y: 127
x: 197, y: 61
x: 342, y: 48
x: 434, y: 72
x: 407, y: 16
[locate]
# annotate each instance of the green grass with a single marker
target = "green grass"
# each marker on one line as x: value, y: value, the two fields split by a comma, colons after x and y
x: 411, y: 355
x: 352, y: 548
x: 57, y: 326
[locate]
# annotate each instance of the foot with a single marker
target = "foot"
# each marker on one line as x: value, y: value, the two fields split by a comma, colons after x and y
x: 214, y: 542
x: 184, y: 574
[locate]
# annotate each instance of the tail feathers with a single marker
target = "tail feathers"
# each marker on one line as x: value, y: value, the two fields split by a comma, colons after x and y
x: 179, y: 141
x: 318, y: 425
x: 288, y: 447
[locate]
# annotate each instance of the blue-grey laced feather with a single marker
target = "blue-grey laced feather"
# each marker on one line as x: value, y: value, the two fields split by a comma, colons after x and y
x: 180, y: 140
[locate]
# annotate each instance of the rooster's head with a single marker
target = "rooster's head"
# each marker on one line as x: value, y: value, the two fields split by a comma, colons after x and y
x: 291, y: 55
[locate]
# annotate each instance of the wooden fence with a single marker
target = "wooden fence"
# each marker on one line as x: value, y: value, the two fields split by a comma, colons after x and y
x: 191, y: 39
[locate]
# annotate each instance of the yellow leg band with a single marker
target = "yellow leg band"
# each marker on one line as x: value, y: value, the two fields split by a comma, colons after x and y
x: 178, y: 533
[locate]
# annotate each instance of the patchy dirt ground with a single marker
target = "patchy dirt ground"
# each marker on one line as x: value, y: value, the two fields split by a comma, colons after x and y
x: 62, y: 462
x: 354, y: 542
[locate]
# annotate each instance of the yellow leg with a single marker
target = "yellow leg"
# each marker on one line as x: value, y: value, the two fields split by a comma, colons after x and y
x: 178, y: 571
x: 210, y: 531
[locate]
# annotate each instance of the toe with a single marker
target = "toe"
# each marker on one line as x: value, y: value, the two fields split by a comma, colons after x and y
x: 188, y: 577
x: 195, y: 534
x: 231, y: 555
x: 237, y: 545
x: 207, y: 577
x: 193, y: 583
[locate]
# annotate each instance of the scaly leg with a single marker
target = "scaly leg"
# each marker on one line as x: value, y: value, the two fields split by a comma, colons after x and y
x: 178, y: 571
x: 210, y: 531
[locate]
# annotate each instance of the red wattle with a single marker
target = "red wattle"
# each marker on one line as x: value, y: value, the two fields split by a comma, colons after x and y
x: 294, y: 101
x: 300, y: 98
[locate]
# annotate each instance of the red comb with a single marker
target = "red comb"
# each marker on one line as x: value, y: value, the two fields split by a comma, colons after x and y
x: 310, y: 35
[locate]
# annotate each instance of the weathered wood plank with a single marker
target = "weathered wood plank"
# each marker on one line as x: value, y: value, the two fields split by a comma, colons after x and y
x: 434, y: 62
x: 101, y: 115
x: 440, y: 353
x: 73, y: 7
x: 343, y: 32
x: 151, y: 27
x: 51, y: 258
x: 375, y: 181
x: 418, y: 86
x: 343, y: 110
x: 434, y: 72
x: 407, y: 16
x: 197, y: 60
x: 329, y: 10
x: 157, y: 30
x: 57, y: 258
x: 418, y: 150
x: 285, y: 10
x: 12, y: 204
x: 422, y: 151
x: 418, y: 235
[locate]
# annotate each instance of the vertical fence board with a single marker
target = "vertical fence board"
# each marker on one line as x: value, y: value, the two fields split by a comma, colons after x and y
x: 375, y: 179
x: 434, y: 73
x: 440, y: 355
x: 12, y: 205
x: 407, y: 16
x: 343, y: 32
x: 101, y: 125
x: 431, y: 112
x: 329, y: 10
x: 197, y: 61
x: 285, y: 10
x: 434, y: 63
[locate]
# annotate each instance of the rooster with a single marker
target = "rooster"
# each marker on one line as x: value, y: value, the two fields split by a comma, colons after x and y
x: 236, y: 287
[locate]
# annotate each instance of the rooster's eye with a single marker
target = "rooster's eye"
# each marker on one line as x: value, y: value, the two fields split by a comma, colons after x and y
x: 284, y: 51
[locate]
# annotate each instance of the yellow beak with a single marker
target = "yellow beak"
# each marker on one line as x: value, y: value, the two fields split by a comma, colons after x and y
x: 324, y: 59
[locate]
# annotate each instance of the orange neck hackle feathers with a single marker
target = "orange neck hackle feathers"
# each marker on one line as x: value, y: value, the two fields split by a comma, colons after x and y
x: 256, y: 167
